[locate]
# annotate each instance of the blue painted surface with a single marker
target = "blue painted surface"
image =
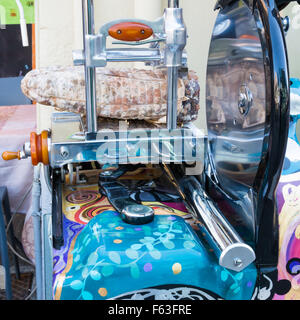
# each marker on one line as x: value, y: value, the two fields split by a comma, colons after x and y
x: 10, y: 92
x: 109, y: 258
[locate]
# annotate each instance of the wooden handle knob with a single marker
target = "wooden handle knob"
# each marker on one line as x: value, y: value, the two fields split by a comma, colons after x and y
x: 8, y: 155
x: 38, y: 150
x: 130, y: 31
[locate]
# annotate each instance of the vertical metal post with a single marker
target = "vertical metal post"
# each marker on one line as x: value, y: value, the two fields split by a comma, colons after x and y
x: 36, y: 214
x: 90, y: 72
x: 173, y: 3
x: 3, y: 245
x: 172, y: 97
x: 172, y: 68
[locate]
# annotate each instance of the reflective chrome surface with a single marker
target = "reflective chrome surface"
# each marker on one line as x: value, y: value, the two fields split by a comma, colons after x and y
x: 173, y: 3
x: 232, y: 252
x: 176, y: 38
x: 137, y: 214
x: 236, y: 95
x: 132, y: 147
x: 125, y: 146
x: 68, y: 144
x: 248, y: 120
x: 88, y: 24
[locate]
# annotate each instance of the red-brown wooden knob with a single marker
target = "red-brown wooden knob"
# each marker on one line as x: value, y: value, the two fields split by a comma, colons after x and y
x: 39, y: 148
x: 130, y: 31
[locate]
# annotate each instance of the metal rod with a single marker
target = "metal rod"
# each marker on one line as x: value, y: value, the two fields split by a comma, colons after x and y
x: 173, y: 3
x: 229, y: 248
x: 90, y: 73
x: 127, y: 55
x: 172, y: 98
x: 36, y: 214
x: 134, y: 54
x: 47, y: 243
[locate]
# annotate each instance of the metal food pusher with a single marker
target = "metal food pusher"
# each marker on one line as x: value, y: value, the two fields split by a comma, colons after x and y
x: 169, y: 29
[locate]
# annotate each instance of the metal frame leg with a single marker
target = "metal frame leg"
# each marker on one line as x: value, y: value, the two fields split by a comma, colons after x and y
x: 3, y: 243
x: 7, y: 212
x: 46, y: 239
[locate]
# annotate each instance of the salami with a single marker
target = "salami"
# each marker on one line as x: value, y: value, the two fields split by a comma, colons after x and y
x: 126, y: 94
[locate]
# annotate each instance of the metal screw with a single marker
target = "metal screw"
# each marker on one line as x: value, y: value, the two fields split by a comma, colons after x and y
x: 64, y: 152
x: 245, y: 100
x: 238, y: 262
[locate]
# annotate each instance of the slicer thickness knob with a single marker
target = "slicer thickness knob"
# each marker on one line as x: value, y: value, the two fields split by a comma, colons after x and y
x: 37, y: 149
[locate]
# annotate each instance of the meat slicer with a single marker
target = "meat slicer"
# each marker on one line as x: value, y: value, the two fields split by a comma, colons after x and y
x: 172, y: 212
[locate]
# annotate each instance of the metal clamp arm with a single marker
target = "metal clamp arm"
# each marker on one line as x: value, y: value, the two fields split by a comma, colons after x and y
x: 97, y: 54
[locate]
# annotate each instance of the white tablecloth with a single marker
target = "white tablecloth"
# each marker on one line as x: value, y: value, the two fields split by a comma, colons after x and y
x: 16, y: 123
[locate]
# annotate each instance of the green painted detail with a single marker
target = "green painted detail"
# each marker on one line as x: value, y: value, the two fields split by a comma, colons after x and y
x: 9, y: 12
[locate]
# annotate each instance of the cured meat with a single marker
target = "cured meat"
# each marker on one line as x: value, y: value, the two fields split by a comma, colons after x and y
x: 127, y: 94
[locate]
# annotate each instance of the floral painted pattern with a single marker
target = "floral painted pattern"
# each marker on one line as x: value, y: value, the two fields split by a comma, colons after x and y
x: 108, y: 252
x: 288, y: 201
